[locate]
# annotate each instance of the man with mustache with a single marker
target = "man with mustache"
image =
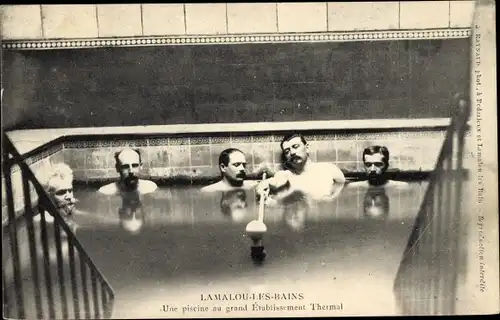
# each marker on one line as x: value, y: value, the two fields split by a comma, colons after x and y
x: 376, y: 163
x: 59, y: 187
x: 232, y: 166
x: 301, y: 174
x: 128, y: 164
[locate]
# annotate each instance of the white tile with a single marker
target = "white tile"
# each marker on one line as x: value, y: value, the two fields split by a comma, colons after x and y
x: 424, y: 14
x: 163, y: 19
x: 302, y: 17
x: 461, y: 13
x: 119, y: 20
x: 343, y: 16
x: 204, y: 18
x: 251, y: 17
x: 69, y: 21
x: 21, y: 21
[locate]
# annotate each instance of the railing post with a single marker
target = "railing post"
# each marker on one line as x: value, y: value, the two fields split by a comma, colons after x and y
x: 46, y: 259
x: 12, y: 157
x: 83, y: 271
x: 74, y: 288
x: 60, y: 271
x: 29, y: 214
x: 13, y: 236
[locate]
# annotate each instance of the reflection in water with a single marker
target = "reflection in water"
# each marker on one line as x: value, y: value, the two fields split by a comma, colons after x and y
x: 427, y: 280
x: 295, y: 211
x: 58, y: 281
x: 233, y: 204
x: 131, y: 213
x: 376, y: 204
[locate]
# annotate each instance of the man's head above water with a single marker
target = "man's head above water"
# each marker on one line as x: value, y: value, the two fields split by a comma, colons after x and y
x: 128, y: 164
x: 232, y: 165
x: 295, y: 151
x: 376, y: 161
x: 59, y: 186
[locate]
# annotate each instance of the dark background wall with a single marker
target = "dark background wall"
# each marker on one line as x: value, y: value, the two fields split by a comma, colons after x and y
x: 233, y: 83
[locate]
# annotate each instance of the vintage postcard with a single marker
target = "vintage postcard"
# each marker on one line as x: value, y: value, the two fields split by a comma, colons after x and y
x: 213, y: 160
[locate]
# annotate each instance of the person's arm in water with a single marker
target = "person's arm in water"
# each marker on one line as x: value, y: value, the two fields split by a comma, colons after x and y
x: 272, y: 185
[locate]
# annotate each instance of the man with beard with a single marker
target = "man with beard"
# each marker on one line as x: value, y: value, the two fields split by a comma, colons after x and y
x: 59, y: 187
x: 376, y: 163
x: 301, y: 174
x: 232, y: 166
x: 128, y: 164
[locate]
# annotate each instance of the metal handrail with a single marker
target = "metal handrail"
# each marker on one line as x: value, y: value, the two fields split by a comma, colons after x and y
x: 433, y: 242
x: 12, y: 157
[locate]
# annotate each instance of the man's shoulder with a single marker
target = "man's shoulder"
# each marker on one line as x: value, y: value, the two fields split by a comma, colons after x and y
x: 221, y: 186
x: 249, y: 184
x: 109, y: 189
x: 331, y: 170
x: 398, y: 184
x: 147, y: 186
x: 283, y: 173
x: 212, y: 187
x: 325, y: 165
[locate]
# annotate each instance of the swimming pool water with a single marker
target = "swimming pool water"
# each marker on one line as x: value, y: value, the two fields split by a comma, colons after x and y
x: 177, y: 244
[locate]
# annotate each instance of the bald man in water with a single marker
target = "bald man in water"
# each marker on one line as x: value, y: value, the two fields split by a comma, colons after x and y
x: 128, y: 164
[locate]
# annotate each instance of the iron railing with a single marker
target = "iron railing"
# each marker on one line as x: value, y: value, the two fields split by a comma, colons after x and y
x: 426, y: 282
x: 51, y: 275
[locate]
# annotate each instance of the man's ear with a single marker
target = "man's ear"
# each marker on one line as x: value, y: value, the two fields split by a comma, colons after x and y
x: 117, y: 162
x: 222, y: 167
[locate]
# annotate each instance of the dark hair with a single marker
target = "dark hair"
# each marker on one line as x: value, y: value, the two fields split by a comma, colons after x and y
x: 224, y: 155
x: 380, y: 150
x: 117, y: 154
x: 290, y: 137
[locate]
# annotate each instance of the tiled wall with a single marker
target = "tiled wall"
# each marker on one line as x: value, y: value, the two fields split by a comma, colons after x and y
x: 117, y: 20
x: 229, y: 83
x: 196, y: 157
